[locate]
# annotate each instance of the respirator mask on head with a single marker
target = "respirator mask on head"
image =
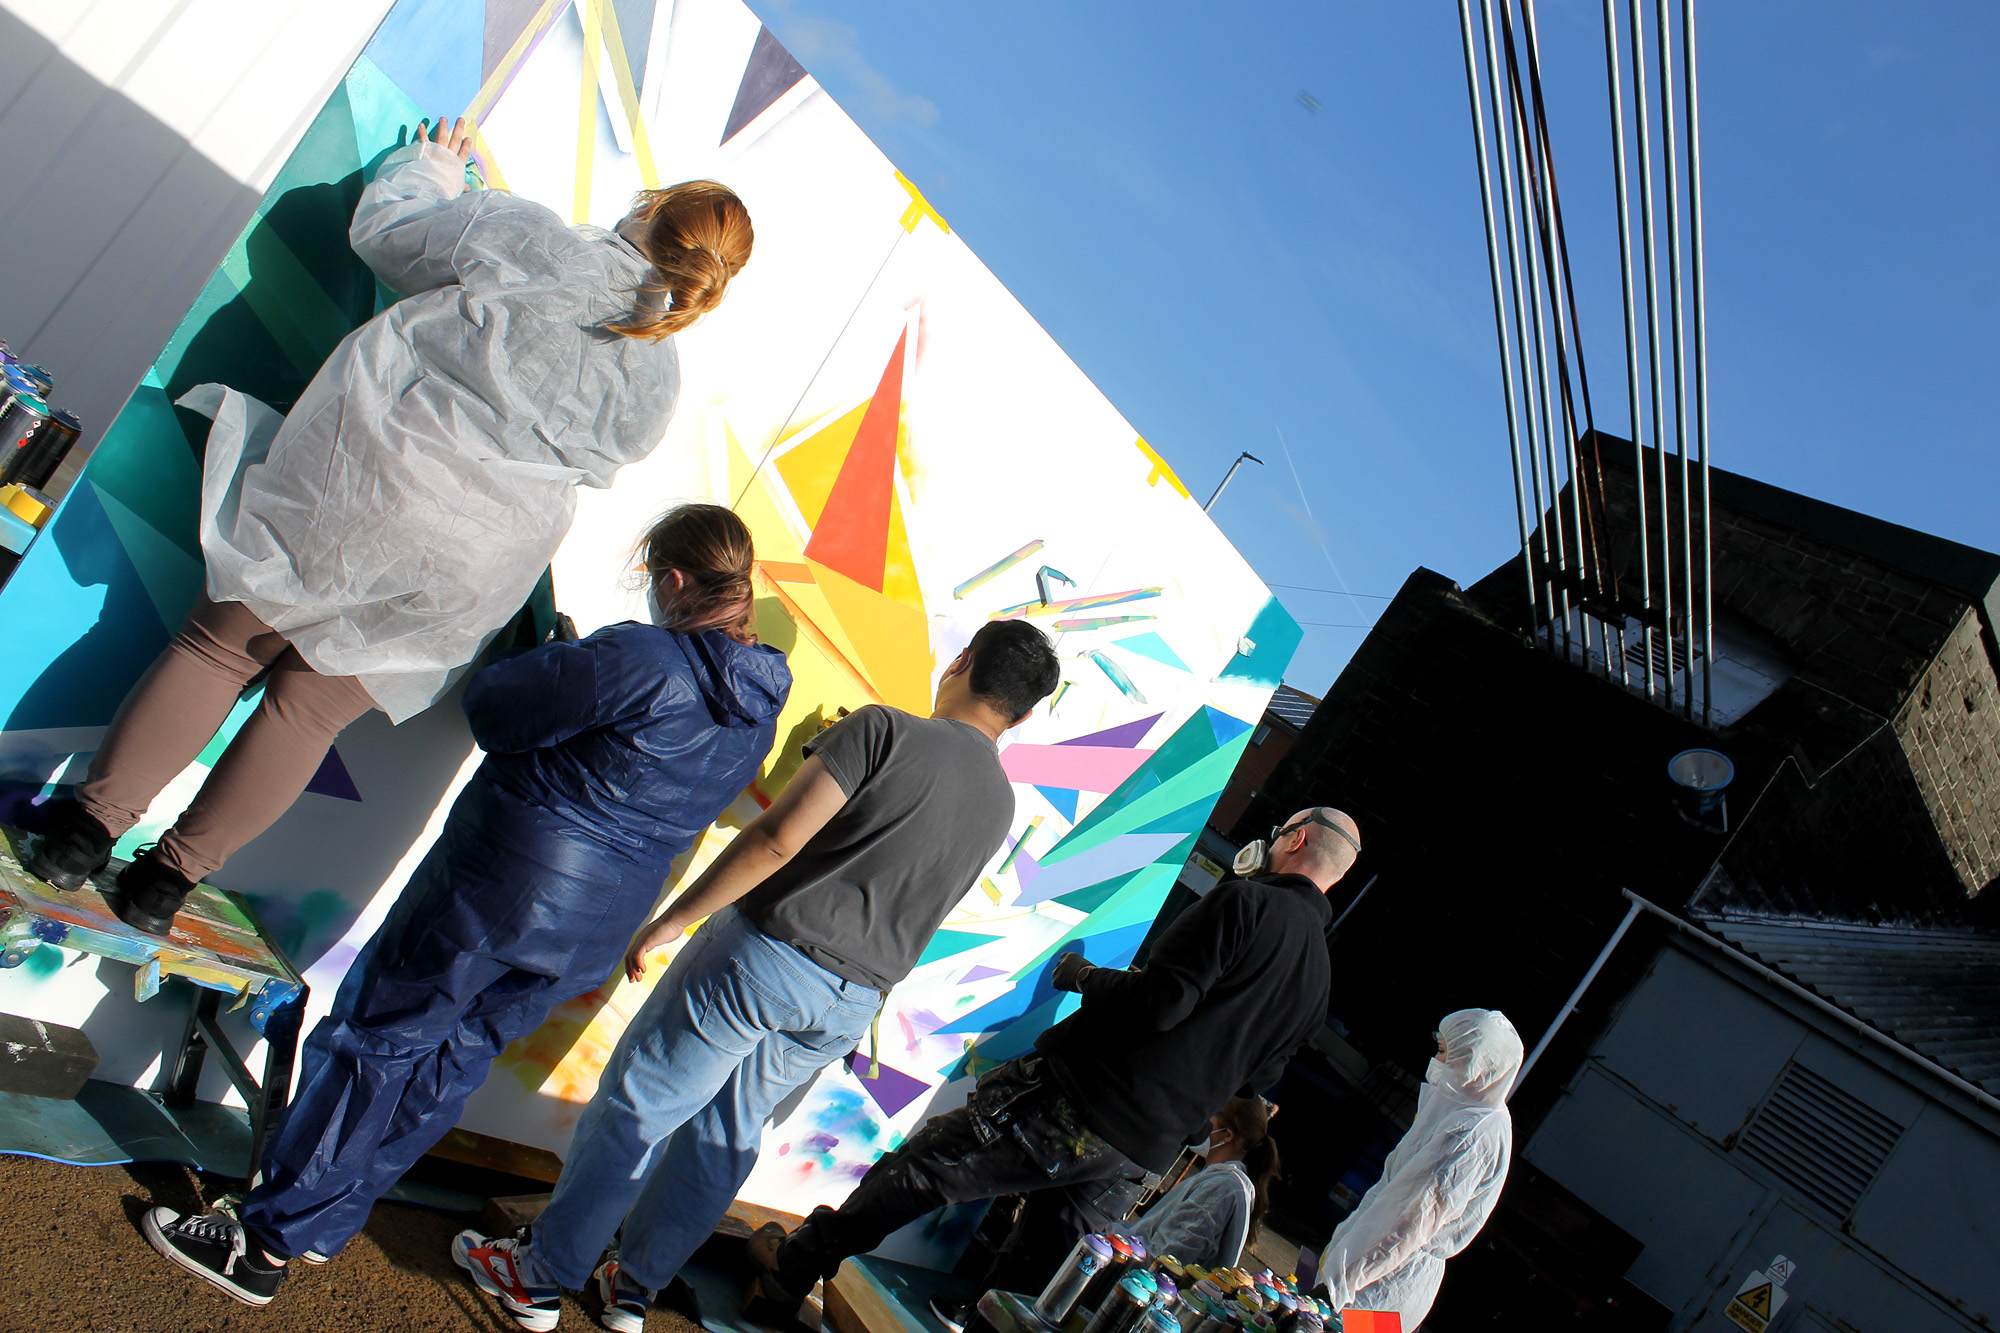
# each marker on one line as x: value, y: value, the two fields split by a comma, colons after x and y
x: 1256, y: 854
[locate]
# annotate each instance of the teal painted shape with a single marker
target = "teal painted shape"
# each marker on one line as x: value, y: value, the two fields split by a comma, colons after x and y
x: 431, y: 50
x: 1192, y: 741
x: 1276, y: 637
x: 1185, y: 819
x: 80, y: 623
x: 1153, y: 646
x: 948, y: 942
x: 1227, y: 726
x: 1063, y: 799
x: 172, y: 577
x: 376, y: 111
x: 145, y: 466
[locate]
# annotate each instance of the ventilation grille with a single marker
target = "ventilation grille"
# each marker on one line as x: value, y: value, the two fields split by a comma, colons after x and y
x: 1820, y: 1140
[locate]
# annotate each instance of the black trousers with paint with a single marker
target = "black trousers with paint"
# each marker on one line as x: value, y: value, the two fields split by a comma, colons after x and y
x: 1019, y: 1134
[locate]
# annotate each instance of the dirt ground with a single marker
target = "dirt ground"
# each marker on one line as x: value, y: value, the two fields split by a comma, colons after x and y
x: 73, y: 1258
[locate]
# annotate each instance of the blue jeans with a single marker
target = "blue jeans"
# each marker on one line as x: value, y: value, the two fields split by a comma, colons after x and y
x: 738, y: 1021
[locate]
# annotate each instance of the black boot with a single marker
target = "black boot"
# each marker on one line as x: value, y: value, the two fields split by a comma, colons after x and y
x: 72, y: 848
x: 149, y: 893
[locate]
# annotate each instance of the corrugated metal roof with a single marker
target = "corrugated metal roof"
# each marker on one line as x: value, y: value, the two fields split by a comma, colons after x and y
x: 1936, y: 992
x: 1294, y: 707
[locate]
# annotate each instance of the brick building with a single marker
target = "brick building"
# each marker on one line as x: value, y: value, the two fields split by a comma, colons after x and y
x: 1509, y: 795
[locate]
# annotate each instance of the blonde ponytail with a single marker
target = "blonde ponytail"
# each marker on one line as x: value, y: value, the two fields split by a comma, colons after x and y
x: 697, y: 235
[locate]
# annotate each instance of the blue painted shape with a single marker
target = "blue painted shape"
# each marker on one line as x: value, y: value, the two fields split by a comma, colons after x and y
x: 431, y: 50
x: 333, y: 779
x: 1153, y: 646
x: 1118, y: 856
x: 1227, y: 726
x: 1063, y: 799
x: 82, y: 623
x: 1276, y: 637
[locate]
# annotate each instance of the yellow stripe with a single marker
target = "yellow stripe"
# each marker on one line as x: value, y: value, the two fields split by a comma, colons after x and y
x: 586, y: 118
x: 495, y: 180
x: 489, y: 92
x: 621, y: 69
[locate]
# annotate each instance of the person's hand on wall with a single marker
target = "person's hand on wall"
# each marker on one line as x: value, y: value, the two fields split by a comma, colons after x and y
x: 1070, y: 971
x: 457, y: 139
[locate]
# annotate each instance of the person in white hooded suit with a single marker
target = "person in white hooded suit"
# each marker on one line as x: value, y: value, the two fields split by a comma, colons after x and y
x: 1440, y: 1183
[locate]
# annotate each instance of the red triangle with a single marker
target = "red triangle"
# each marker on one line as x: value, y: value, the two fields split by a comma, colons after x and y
x: 853, y: 531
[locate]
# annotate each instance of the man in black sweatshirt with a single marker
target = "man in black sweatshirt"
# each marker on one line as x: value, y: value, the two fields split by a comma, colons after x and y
x: 1087, y: 1121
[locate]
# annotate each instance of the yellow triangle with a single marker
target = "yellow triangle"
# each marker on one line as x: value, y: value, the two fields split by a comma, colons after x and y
x: 811, y: 466
x: 893, y: 638
x: 759, y: 511
x: 899, y: 568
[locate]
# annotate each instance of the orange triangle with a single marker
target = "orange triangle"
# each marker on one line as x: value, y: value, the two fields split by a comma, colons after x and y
x: 852, y: 534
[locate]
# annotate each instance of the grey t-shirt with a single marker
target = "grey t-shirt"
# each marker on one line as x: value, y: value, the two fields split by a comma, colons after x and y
x: 927, y: 806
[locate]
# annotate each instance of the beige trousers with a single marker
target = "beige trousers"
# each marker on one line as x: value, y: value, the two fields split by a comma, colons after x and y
x: 175, y: 710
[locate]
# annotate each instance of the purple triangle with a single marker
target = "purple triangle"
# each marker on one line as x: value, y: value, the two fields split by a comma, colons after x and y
x: 1127, y: 736
x: 893, y: 1090
x: 333, y: 780
x: 982, y: 972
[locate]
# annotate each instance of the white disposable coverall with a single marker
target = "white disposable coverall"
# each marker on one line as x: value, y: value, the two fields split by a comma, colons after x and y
x: 404, y: 509
x: 1440, y: 1183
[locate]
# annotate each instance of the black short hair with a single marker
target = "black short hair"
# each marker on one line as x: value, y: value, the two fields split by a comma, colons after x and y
x: 1014, y: 667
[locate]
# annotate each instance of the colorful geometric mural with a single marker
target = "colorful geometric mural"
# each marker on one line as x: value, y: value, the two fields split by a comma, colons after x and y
x: 913, y: 453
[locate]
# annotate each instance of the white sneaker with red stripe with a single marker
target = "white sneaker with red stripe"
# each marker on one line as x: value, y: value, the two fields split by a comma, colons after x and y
x: 504, y: 1269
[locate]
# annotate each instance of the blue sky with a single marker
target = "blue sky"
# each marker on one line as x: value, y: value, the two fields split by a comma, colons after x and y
x: 1227, y: 265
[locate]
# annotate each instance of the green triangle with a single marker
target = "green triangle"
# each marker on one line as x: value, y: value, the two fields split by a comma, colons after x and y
x: 1138, y: 898
x: 1203, y: 781
x: 172, y: 578
x: 948, y: 942
x: 145, y: 465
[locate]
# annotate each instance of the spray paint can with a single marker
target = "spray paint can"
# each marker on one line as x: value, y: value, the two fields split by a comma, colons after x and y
x: 1159, y: 1320
x: 1122, y: 1308
x: 1098, y: 1290
x: 41, y: 451
x: 18, y: 424
x: 1059, y: 1297
x: 44, y: 382
x: 1168, y: 1294
x: 1139, y: 1253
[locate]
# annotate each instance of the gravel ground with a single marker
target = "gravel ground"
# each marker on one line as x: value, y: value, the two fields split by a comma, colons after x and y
x: 74, y: 1259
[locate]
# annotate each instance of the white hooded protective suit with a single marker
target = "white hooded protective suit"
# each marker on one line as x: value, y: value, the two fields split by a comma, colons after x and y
x: 1440, y: 1183
x: 403, y: 511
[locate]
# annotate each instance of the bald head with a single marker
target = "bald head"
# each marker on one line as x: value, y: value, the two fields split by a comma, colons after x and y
x: 1322, y: 845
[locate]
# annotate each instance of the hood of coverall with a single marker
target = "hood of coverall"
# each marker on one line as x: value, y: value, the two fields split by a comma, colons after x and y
x: 746, y: 682
x: 1482, y: 1053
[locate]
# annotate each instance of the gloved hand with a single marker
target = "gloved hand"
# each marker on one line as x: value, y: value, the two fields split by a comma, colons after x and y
x: 1071, y: 969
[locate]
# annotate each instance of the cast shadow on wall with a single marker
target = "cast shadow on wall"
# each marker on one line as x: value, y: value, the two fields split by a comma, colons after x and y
x: 284, y: 298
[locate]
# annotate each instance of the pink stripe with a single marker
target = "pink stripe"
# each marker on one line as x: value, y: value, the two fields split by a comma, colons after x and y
x: 1099, y: 768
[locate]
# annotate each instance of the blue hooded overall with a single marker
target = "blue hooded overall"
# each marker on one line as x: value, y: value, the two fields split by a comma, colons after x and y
x: 605, y: 759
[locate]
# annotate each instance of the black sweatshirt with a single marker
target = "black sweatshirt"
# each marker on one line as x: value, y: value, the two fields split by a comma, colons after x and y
x: 1236, y: 984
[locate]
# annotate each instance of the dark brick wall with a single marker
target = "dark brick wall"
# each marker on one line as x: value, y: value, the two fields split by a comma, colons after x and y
x: 1949, y: 732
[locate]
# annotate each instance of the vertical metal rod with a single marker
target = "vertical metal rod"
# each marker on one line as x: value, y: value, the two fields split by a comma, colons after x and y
x: 1670, y: 161
x: 1499, y: 304
x: 1642, y: 115
x: 1502, y: 158
x: 1631, y: 331
x: 1691, y: 97
x: 1538, y: 328
x: 1555, y: 258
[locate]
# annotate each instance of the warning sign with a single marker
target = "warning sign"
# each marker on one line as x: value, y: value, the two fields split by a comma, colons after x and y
x: 1756, y: 1302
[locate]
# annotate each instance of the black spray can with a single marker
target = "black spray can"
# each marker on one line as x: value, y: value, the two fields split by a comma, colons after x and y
x: 42, y: 452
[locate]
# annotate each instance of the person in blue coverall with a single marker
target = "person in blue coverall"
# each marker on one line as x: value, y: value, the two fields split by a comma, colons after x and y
x: 605, y: 759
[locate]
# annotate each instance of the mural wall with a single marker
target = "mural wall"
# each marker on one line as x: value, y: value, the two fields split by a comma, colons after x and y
x: 913, y: 453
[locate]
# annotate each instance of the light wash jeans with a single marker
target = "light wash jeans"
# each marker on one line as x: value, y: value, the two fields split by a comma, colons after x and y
x: 738, y: 1021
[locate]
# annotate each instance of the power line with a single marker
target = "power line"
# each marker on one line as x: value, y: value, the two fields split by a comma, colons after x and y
x: 1337, y: 592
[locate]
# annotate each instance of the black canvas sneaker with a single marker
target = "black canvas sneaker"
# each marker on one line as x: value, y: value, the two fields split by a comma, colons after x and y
x: 213, y: 1247
x: 72, y: 848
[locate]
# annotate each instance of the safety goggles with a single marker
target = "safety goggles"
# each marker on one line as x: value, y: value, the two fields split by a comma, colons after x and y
x: 1313, y: 818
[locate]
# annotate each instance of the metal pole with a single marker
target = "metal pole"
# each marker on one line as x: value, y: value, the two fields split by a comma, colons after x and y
x: 1499, y: 304
x: 1555, y: 259
x: 1670, y: 161
x: 1372, y: 878
x: 1631, y: 332
x: 1575, y: 996
x: 1642, y: 115
x: 1693, y: 102
x: 1502, y: 158
x: 1226, y: 478
x: 1538, y: 327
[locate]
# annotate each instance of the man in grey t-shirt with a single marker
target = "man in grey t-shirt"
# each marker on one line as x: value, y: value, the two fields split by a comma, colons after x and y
x: 841, y: 884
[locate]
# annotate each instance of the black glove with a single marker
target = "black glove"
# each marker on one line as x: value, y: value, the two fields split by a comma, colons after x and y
x: 1071, y: 969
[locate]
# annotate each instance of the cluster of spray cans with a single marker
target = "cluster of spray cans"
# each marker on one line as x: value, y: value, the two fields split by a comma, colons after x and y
x: 34, y: 441
x: 1109, y: 1284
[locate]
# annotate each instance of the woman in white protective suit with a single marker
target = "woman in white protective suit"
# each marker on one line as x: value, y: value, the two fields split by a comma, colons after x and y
x: 1440, y: 1183
x: 363, y: 548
